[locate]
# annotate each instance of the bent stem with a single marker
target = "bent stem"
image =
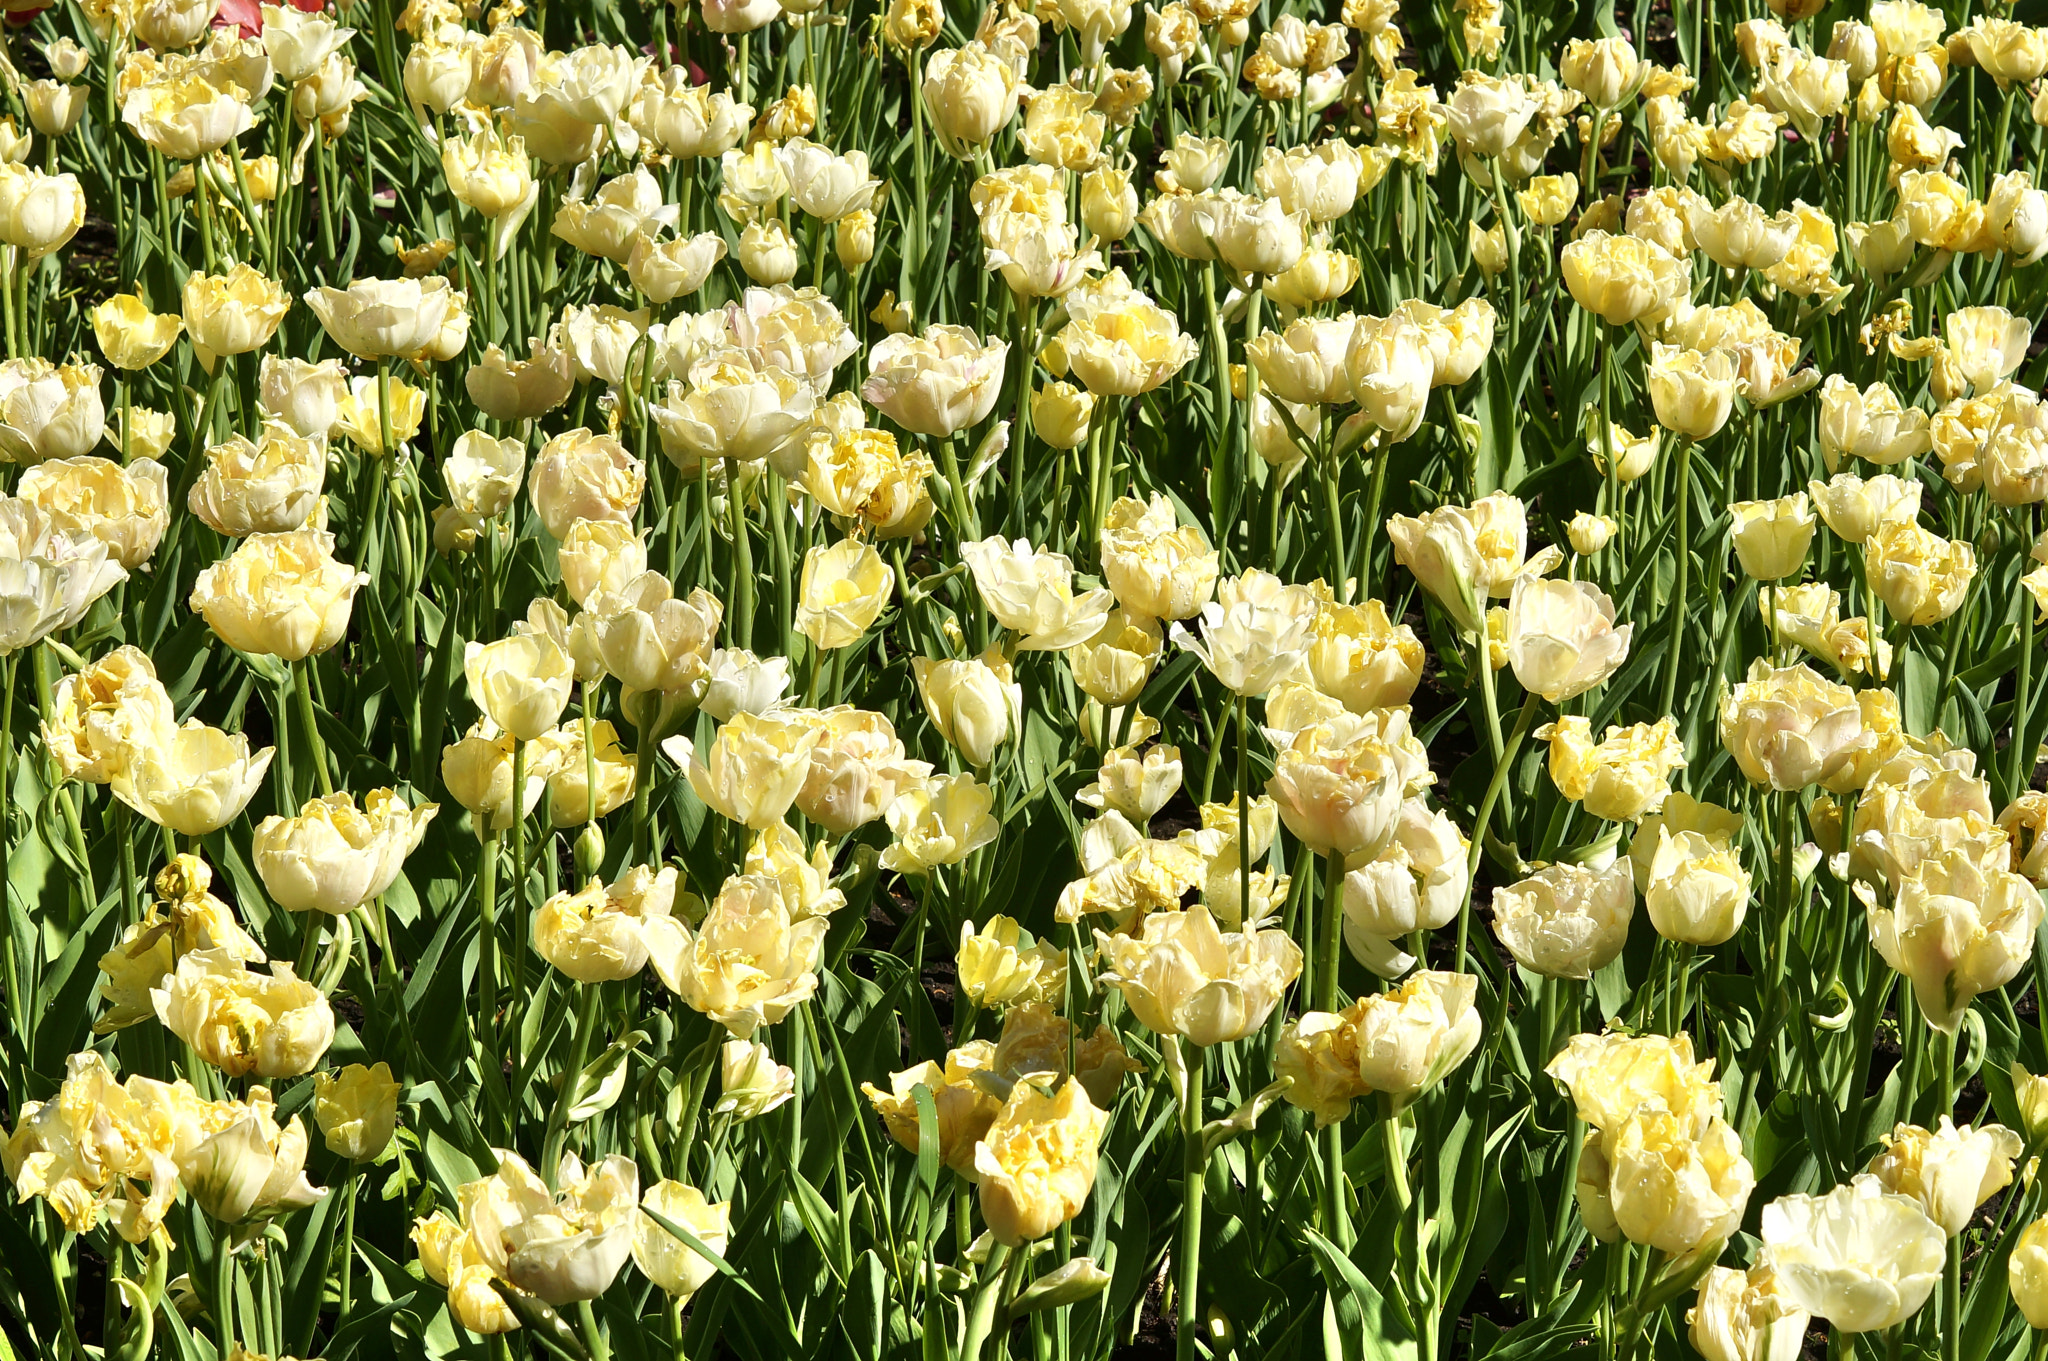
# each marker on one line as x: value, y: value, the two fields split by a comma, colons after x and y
x: 565, y: 1099
x: 1194, y: 1171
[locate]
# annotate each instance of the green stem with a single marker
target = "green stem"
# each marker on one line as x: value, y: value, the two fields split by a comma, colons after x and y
x: 348, y: 1247
x: 1194, y: 1172
x: 1679, y: 590
x: 579, y: 1054
x: 1397, y: 1159
x: 981, y: 1321
x: 487, y: 948
x: 742, y: 616
x: 302, y: 682
x: 520, y: 922
x: 1523, y: 722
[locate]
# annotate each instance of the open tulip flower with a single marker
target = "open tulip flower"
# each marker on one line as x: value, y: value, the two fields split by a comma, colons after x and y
x: 868, y: 680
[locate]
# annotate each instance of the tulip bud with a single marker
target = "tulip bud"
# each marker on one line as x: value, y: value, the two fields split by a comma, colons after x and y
x: 751, y: 1082
x: 1590, y: 533
x: 853, y: 238
x: 356, y: 1109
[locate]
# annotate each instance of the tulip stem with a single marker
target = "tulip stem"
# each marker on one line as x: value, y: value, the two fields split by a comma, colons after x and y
x: 1682, y: 510
x: 1397, y: 1157
x: 1335, y: 1225
x: 567, y: 1096
x: 348, y: 1247
x: 519, y: 872
x: 742, y: 616
x: 302, y: 682
x: 981, y: 1321
x: 1502, y: 765
x: 1194, y: 1171
x: 643, y: 775
x: 487, y: 945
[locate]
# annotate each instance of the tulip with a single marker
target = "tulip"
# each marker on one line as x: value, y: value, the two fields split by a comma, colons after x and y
x: 49, y: 411
x: 1565, y: 921
x: 562, y: 1246
x: 378, y: 318
x: 1623, y: 778
x: 232, y: 313
x: 1109, y: 205
x: 1401, y: 1043
x: 747, y: 964
x: 757, y: 766
x: 751, y: 1082
x: 1610, y: 1075
x: 1254, y: 633
x: 1418, y: 882
x: 356, y: 1109
x: 194, y: 780
x: 242, y: 1165
x: 1622, y: 279
x: 1692, y: 392
x: 626, y: 208
x: 1339, y: 787
x: 732, y: 410
x: 332, y: 857
x: 1154, y: 566
x: 1921, y: 577
x: 1561, y: 638
x: 844, y: 589
x: 96, y: 1150
x: 974, y: 704
x: 1548, y: 199
x: 39, y: 213
x: 997, y: 969
x: 1744, y: 1316
x: 675, y: 1266
x: 964, y: 1111
x: 1949, y: 1172
x: 600, y: 933
x: 243, y: 1022
x: 1390, y: 368
x: 1606, y: 70
x: 1030, y: 592
x: 1117, y: 341
x: 271, y: 487
x: 857, y: 769
x: 935, y: 385
x: 186, y: 118
x: 939, y: 821
x: 1855, y: 508
x: 101, y: 714
x: 1956, y: 930
x: 1988, y: 343
x: 280, y: 595
x: 1697, y: 891
x: 1859, y: 1257
x: 1486, y: 115
x: 1771, y: 537
x: 130, y: 335
x: 1182, y: 976
x: 1036, y: 1165
x: 1673, y: 1187
x: 123, y: 507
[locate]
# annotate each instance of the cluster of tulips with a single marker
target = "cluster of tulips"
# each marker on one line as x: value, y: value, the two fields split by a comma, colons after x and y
x: 727, y: 646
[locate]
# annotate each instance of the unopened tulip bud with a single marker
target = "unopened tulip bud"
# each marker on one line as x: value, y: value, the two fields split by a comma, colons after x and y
x: 356, y: 1108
